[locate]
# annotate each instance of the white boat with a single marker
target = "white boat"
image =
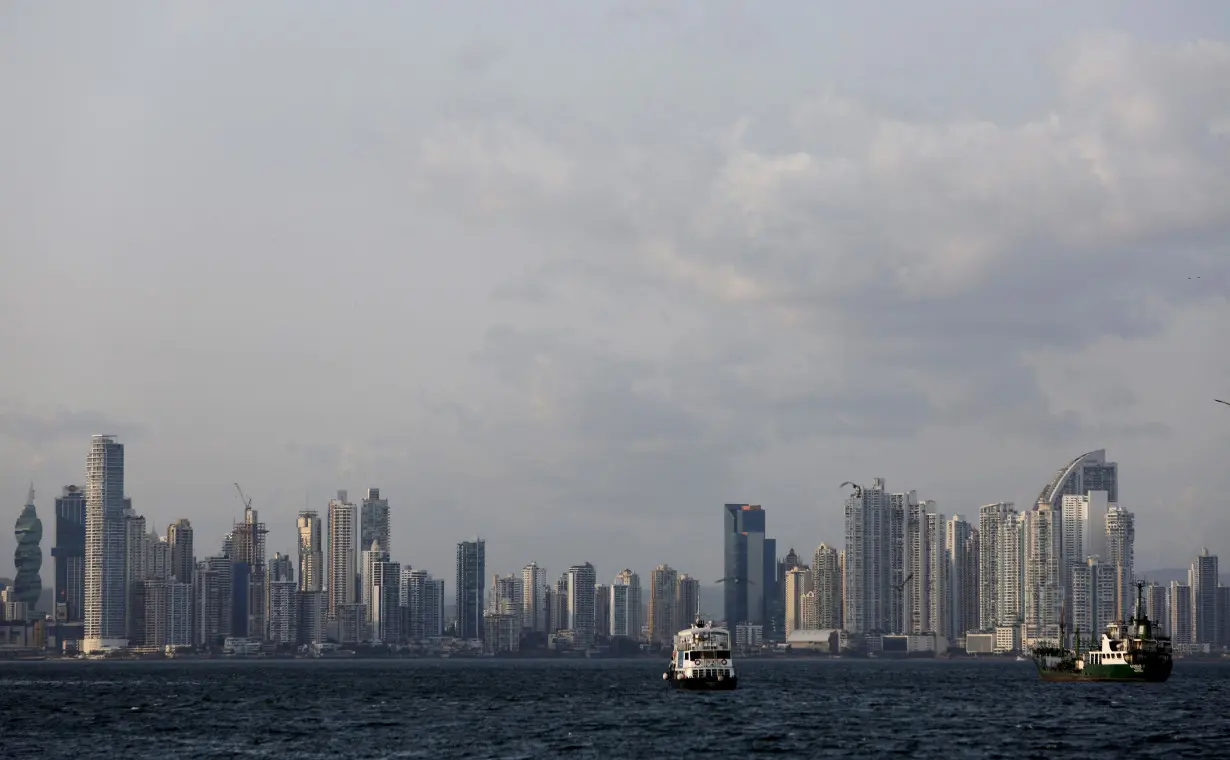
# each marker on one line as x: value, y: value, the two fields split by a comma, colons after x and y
x: 700, y: 659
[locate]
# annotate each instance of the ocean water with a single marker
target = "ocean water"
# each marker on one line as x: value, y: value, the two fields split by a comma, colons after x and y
x: 602, y: 709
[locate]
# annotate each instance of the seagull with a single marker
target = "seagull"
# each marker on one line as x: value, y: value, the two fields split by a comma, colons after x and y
x: 858, y: 490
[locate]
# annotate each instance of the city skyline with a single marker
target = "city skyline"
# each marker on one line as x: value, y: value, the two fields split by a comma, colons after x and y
x: 576, y: 289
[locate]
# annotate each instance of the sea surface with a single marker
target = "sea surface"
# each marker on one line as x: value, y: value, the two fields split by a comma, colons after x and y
x: 603, y: 709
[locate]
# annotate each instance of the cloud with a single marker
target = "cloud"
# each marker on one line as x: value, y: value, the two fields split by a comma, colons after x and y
x: 48, y: 426
x: 596, y: 288
x: 933, y: 252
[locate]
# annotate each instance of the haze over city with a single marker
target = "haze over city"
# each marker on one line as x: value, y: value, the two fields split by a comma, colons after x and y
x: 572, y: 276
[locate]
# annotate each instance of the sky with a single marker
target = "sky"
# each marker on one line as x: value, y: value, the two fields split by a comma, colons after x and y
x: 570, y: 276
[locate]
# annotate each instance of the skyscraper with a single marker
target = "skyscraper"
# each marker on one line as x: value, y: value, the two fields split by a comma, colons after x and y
x: 687, y: 601
x: 662, y: 580
x: 1043, y: 586
x: 1121, y: 555
x: 471, y: 574
x: 28, y: 559
x: 374, y: 521
x: 626, y: 605
x: 998, y: 565
x: 69, y: 552
x: 868, y: 588
x: 826, y: 567
x: 311, y: 551
x: 534, y: 598
x: 750, y: 568
x: 958, y: 547
x: 343, y: 557
x: 1202, y: 577
x: 105, y: 592
x: 581, y: 608
x: 179, y: 536
x: 248, y: 548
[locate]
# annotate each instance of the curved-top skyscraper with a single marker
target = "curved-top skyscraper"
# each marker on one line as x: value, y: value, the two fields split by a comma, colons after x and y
x: 29, y: 555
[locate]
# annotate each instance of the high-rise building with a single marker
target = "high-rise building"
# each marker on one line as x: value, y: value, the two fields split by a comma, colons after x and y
x: 1202, y: 578
x: 581, y: 609
x: 471, y: 572
x: 868, y: 597
x: 1043, y: 585
x: 1094, y: 598
x: 385, y: 617
x: 995, y: 607
x: 1179, y: 613
x: 533, y: 598
x: 508, y: 598
x: 750, y: 569
x: 372, y: 555
x: 602, y: 612
x: 343, y: 557
x: 1083, y: 517
x: 901, y: 593
x: 183, y: 563
x: 374, y: 521
x: 136, y: 572
x: 105, y: 593
x: 626, y: 605
x: 248, y: 548
x: 687, y: 601
x: 213, y: 596
x: 826, y: 567
x: 28, y: 559
x: 662, y: 581
x: 919, y: 552
x: 969, y: 568
x: 422, y: 600
x: 798, y: 584
x: 69, y: 553
x: 1121, y: 554
x: 1155, y: 608
x: 960, y: 585
x: 311, y: 551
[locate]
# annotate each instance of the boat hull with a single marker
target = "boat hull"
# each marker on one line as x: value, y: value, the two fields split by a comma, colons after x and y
x: 1149, y: 673
x: 705, y: 684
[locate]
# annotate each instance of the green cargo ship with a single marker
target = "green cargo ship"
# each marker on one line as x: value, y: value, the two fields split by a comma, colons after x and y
x: 1129, y: 652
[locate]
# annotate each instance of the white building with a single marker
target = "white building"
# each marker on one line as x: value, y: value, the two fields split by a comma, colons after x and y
x: 868, y: 597
x: 106, y: 594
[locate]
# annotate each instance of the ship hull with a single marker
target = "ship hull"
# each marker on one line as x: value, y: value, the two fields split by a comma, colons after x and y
x: 1150, y: 673
x: 705, y: 684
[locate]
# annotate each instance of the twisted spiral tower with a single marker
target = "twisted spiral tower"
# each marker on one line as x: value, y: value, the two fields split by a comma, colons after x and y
x: 29, y: 555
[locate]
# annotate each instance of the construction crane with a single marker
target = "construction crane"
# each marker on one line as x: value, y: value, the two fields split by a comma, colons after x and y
x: 247, y: 500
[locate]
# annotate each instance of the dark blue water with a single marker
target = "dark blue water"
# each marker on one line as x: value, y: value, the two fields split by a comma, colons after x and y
x: 599, y: 709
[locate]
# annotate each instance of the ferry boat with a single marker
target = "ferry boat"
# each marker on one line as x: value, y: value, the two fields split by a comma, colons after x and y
x: 700, y: 659
x: 1128, y: 652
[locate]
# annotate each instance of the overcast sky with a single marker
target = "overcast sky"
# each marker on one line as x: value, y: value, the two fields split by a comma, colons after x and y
x: 571, y: 275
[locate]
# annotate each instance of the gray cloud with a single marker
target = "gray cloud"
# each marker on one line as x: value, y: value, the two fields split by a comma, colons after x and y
x: 573, y: 291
